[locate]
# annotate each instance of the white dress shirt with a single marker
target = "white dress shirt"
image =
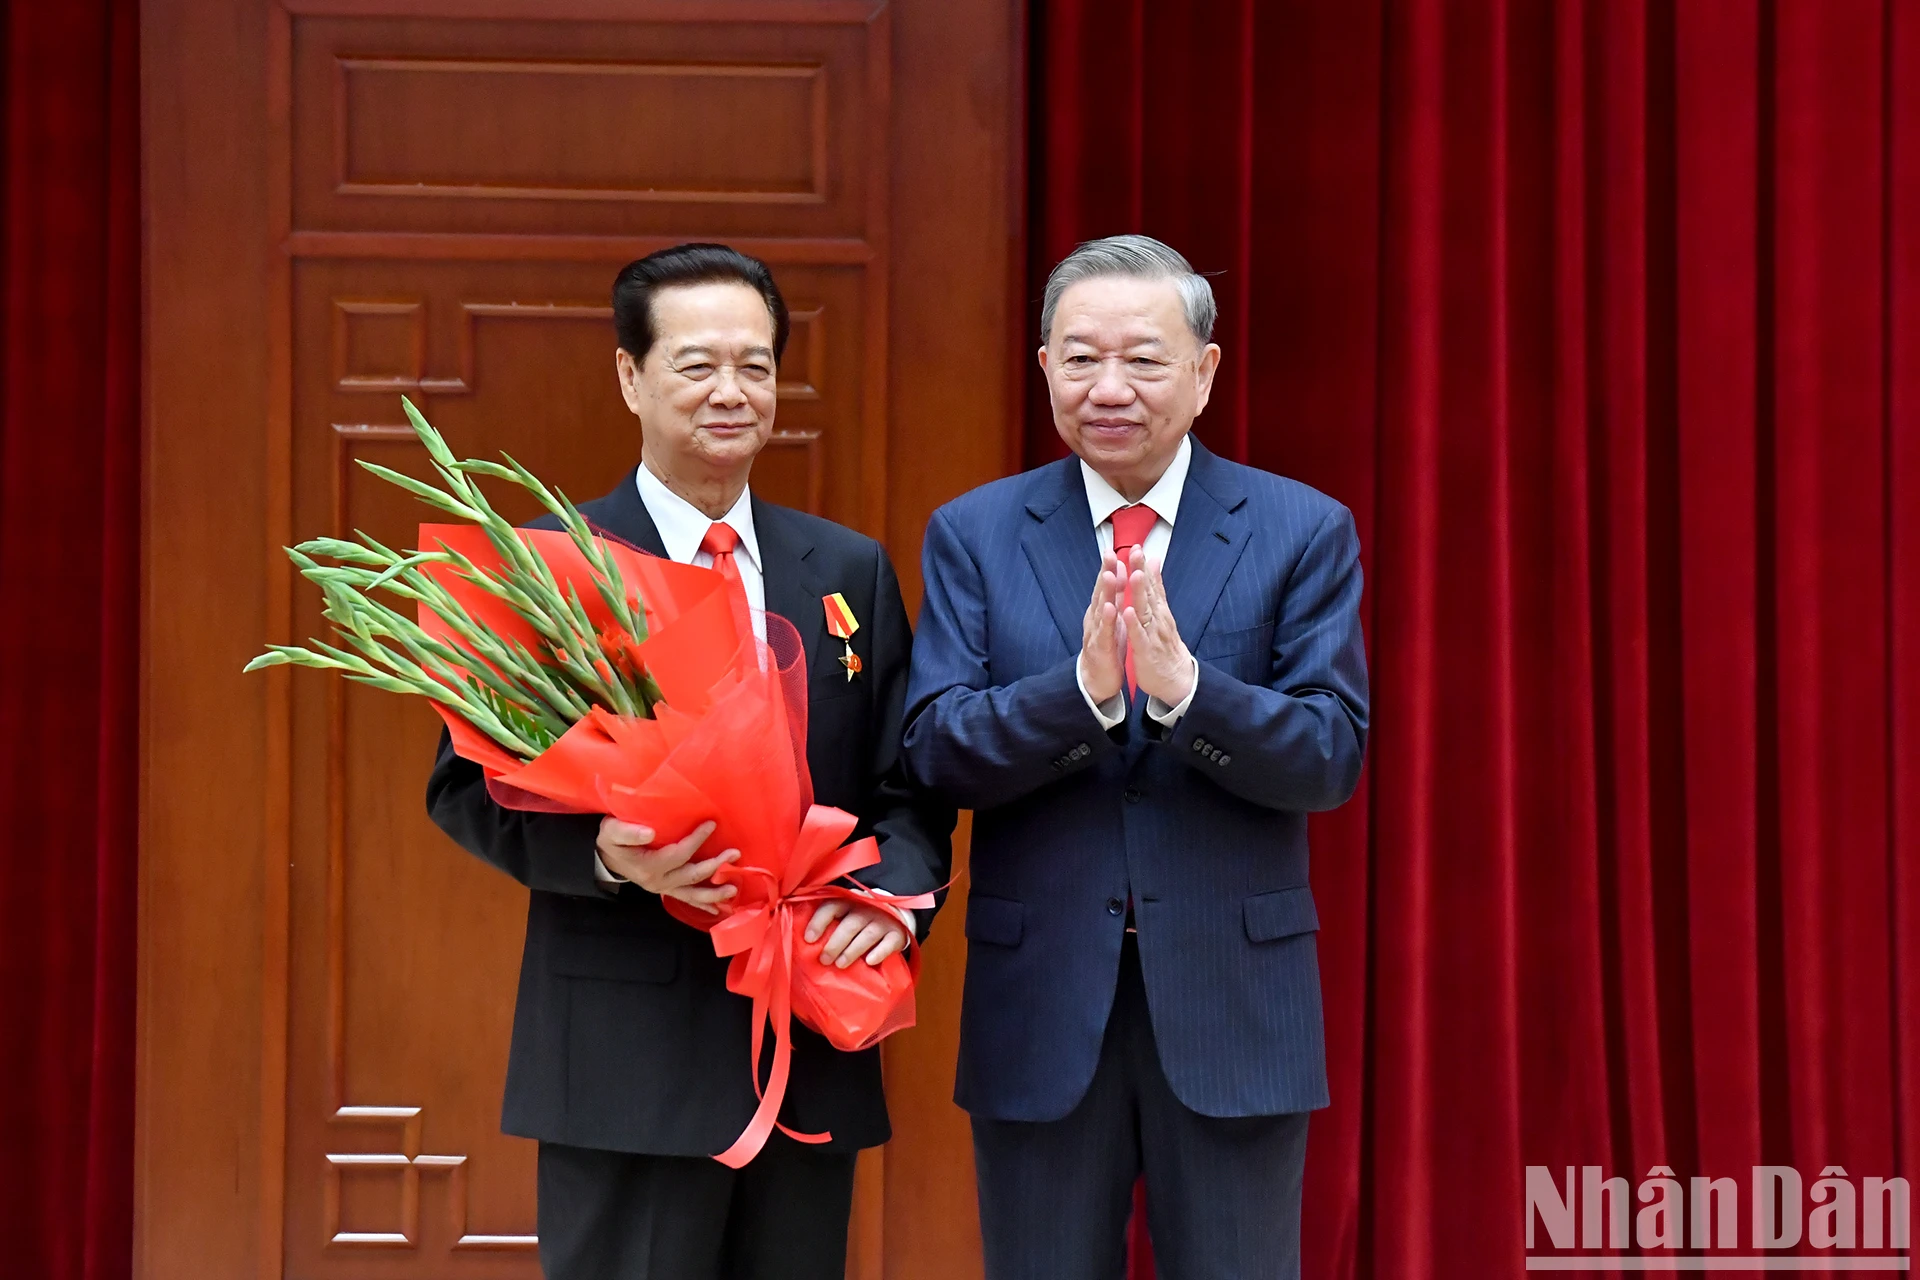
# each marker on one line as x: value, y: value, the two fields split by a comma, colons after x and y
x: 682, y: 526
x: 1103, y: 500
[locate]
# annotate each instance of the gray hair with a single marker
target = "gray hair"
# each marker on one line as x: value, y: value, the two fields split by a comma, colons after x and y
x: 1141, y: 257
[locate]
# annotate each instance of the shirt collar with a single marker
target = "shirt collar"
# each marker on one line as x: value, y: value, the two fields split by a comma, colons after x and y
x: 1103, y: 499
x: 682, y: 525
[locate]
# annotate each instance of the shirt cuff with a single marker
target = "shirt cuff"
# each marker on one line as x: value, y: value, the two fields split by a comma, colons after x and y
x: 905, y: 913
x: 1109, y: 713
x: 1167, y: 716
x: 603, y: 875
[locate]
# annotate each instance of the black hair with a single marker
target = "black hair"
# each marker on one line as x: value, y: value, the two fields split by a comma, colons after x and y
x: 688, y: 264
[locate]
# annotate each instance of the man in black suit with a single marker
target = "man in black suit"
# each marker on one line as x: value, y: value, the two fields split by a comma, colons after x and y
x: 629, y: 1060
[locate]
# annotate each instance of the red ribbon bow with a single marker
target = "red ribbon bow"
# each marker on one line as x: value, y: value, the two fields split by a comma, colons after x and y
x: 759, y: 934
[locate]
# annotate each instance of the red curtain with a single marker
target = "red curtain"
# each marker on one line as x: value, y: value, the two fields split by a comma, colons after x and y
x: 69, y: 648
x: 1604, y: 317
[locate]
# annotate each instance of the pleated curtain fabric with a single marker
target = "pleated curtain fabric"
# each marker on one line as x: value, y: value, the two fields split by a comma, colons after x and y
x: 1604, y: 317
x: 70, y: 547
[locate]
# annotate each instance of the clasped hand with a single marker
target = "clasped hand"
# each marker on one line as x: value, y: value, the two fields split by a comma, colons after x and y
x: 671, y: 871
x: 1161, y: 663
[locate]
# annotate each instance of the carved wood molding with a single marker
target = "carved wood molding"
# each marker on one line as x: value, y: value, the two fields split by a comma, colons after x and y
x: 411, y: 1163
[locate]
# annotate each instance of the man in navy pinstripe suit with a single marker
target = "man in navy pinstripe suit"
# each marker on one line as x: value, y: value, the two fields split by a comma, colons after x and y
x: 1142, y: 668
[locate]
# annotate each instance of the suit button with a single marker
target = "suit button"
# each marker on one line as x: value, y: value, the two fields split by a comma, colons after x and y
x: 1083, y: 750
x: 1200, y: 744
x: 1133, y: 795
x: 1225, y: 759
x: 1115, y: 907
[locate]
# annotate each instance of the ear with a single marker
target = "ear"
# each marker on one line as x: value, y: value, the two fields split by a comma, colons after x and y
x: 627, y: 372
x: 1203, y: 370
x: 1046, y: 367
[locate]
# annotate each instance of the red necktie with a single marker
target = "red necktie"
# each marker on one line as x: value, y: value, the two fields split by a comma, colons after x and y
x: 1131, y: 525
x: 719, y: 543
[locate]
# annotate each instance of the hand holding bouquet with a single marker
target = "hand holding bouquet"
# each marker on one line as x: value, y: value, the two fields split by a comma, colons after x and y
x: 585, y: 676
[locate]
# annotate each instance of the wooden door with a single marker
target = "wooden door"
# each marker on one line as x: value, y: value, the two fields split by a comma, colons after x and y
x: 352, y: 200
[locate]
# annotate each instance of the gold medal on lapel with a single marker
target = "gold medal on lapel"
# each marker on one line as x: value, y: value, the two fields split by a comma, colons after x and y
x: 841, y: 624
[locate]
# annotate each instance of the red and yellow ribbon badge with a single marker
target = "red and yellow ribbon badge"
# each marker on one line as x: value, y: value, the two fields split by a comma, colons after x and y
x: 842, y: 624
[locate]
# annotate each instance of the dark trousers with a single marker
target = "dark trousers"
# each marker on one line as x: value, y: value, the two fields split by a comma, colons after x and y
x: 1223, y: 1195
x: 608, y: 1215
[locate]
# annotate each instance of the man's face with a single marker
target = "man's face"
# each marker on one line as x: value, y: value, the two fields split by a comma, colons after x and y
x: 705, y: 392
x: 1126, y: 376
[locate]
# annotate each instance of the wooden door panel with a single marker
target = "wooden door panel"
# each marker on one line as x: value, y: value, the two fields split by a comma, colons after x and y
x: 604, y: 128
x: 519, y: 356
x: 449, y: 187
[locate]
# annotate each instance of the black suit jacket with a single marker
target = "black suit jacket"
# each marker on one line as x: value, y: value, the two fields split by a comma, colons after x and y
x: 625, y: 1037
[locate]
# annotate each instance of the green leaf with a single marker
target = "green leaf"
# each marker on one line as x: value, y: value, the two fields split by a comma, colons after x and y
x: 436, y: 446
x: 377, y: 545
x: 482, y: 467
x: 387, y: 683
x: 342, y: 550
x: 421, y: 490
x: 413, y: 561
x: 531, y: 483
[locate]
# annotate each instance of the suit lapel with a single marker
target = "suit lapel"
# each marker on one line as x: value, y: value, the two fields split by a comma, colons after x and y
x: 793, y: 588
x: 622, y: 514
x: 1061, y: 547
x: 1208, y: 539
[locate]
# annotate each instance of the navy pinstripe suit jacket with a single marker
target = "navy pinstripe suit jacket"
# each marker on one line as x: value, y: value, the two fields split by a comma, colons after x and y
x: 1203, y: 825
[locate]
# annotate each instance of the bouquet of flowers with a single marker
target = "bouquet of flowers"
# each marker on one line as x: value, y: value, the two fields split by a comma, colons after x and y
x: 585, y: 676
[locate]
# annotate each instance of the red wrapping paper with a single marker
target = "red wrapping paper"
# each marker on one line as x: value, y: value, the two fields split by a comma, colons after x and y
x: 727, y: 744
